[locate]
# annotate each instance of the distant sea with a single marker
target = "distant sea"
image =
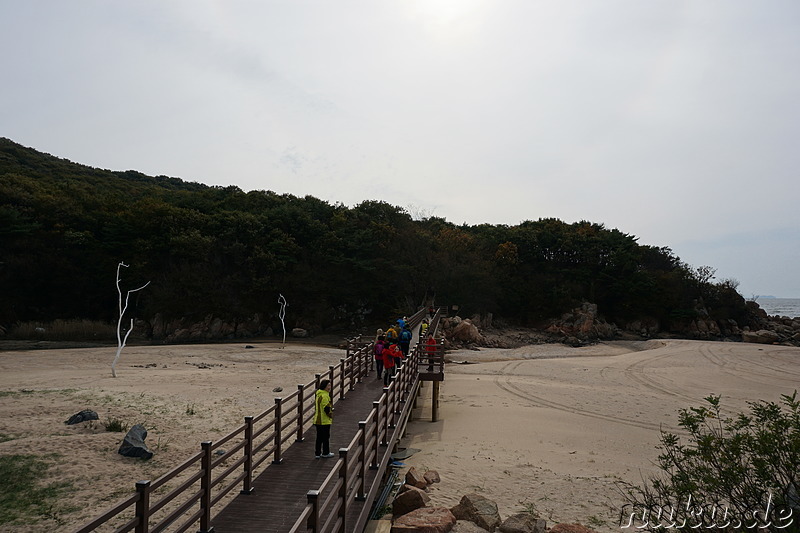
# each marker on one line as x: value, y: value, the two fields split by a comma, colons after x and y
x: 780, y: 306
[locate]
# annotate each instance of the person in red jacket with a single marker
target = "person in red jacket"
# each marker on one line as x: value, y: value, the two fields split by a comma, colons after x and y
x: 388, y: 363
x: 430, y: 351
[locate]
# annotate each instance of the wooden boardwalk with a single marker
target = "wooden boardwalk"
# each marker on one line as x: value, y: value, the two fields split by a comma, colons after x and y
x: 279, y: 492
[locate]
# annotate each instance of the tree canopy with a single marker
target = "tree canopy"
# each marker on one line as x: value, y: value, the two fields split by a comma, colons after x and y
x: 218, y: 250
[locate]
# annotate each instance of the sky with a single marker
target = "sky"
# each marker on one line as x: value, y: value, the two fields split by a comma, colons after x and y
x: 676, y: 121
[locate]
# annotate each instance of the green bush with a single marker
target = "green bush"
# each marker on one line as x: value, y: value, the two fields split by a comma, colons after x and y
x: 732, y: 473
x: 116, y: 425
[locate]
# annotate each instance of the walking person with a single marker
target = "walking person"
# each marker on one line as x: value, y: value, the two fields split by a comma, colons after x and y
x: 388, y: 364
x: 323, y: 418
x: 378, y: 352
x: 406, y: 335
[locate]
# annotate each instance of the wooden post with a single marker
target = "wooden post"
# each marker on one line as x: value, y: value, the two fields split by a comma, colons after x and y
x: 343, y: 452
x: 333, y: 385
x: 248, y: 455
x: 387, y: 416
x: 300, y: 393
x: 143, y: 507
x: 205, y: 489
x: 313, y: 520
x: 376, y: 406
x: 362, y: 471
x: 342, y: 378
x: 278, y: 423
x: 435, y: 402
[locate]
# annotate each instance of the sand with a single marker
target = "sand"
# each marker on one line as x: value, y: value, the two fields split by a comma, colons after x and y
x: 553, y: 429
x: 542, y: 427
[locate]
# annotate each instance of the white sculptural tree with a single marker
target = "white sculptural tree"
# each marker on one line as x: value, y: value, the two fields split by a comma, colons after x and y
x: 122, y: 308
x: 282, y: 315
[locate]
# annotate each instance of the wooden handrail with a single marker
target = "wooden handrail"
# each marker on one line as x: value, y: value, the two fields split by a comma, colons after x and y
x: 346, y: 482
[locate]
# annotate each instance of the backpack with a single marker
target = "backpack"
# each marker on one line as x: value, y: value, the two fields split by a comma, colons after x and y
x: 407, y: 335
x: 378, y: 350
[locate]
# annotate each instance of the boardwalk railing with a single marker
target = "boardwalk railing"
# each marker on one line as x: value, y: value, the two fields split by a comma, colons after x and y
x: 213, y: 472
x: 371, y: 448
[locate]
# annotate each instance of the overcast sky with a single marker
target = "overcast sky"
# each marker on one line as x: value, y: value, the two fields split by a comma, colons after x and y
x: 674, y: 121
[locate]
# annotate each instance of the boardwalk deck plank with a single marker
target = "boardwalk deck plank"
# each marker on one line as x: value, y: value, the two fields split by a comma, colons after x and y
x: 279, y: 494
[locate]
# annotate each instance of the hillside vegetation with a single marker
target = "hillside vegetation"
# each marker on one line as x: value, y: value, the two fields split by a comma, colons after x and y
x: 219, y: 251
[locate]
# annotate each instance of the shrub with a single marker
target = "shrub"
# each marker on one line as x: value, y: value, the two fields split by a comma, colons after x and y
x: 733, y: 473
x: 116, y: 425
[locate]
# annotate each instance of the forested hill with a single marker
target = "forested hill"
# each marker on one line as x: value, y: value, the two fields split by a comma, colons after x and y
x: 219, y: 251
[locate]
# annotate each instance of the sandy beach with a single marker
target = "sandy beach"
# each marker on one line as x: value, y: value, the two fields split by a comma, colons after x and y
x: 546, y: 427
x: 554, y: 428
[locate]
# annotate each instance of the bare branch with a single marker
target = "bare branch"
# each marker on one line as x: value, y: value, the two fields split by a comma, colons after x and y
x: 120, y: 341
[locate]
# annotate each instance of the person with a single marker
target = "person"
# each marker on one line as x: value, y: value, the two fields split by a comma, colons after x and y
x: 392, y: 334
x: 388, y: 364
x: 378, y: 351
x: 430, y: 349
x: 396, y: 354
x: 378, y: 334
x: 323, y: 418
x: 405, y: 339
x: 423, y: 329
x: 401, y: 323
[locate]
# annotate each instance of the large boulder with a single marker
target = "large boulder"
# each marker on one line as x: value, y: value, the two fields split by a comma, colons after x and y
x: 409, y: 500
x: 478, y: 509
x: 762, y: 336
x: 523, y: 523
x: 415, y: 479
x: 83, y: 416
x: 425, y: 520
x: 299, y: 333
x: 133, y: 444
x: 466, y: 331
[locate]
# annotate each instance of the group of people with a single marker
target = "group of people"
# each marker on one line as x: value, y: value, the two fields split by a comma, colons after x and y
x: 390, y: 349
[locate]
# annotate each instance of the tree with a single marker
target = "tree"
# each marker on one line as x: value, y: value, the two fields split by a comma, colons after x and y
x: 734, y: 473
x: 120, y: 340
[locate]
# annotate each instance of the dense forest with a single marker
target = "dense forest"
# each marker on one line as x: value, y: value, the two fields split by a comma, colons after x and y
x: 64, y: 227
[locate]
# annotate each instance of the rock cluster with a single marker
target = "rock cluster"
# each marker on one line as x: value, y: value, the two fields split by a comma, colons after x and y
x: 193, y: 330
x: 584, y: 325
x: 474, y: 513
x: 581, y: 325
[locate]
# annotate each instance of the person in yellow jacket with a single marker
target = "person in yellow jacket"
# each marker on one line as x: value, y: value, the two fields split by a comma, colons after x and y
x: 323, y: 418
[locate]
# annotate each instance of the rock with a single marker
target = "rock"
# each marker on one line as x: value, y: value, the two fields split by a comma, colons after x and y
x: 478, y: 509
x: 277, y: 389
x: 465, y: 526
x: 523, y: 523
x: 425, y: 520
x: 414, y: 479
x: 431, y: 477
x: 466, y: 331
x: 570, y: 528
x: 133, y: 444
x: 83, y: 416
x: 409, y: 500
x: 299, y: 333
x: 762, y: 336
